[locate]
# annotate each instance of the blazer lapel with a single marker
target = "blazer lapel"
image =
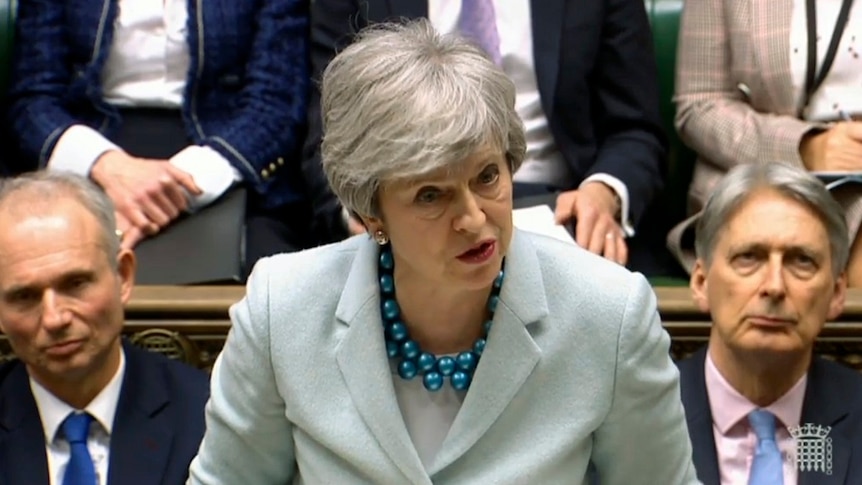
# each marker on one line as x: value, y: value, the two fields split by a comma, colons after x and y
x: 141, y: 437
x: 695, y: 400
x: 547, y: 29
x: 361, y: 356
x: 23, y: 459
x: 826, y: 405
x: 510, y: 355
x: 770, y: 34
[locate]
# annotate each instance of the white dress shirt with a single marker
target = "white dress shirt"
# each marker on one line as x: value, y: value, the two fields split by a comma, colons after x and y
x: 841, y: 90
x: 147, y: 66
x: 544, y: 164
x: 102, y: 408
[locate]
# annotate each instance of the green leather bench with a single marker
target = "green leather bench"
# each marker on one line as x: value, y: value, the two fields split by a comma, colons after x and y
x: 8, y: 8
x: 664, y: 18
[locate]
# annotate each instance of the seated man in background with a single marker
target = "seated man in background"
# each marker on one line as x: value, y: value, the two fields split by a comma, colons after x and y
x: 591, y: 113
x: 167, y: 104
x: 771, y: 249
x: 79, y: 406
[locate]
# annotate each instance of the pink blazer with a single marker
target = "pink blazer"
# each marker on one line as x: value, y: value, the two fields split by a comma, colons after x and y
x: 734, y: 96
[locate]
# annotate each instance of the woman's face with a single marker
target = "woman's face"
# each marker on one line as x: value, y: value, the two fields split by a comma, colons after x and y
x: 450, y: 227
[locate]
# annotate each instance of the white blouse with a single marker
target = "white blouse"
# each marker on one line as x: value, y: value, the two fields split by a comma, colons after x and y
x: 841, y: 90
x: 148, y: 60
x: 427, y: 415
x: 147, y: 66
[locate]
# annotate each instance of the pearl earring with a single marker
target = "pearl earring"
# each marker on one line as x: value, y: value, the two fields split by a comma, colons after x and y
x: 381, y: 237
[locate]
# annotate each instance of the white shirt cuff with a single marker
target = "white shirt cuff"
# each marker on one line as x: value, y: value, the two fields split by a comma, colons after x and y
x: 77, y: 150
x: 212, y: 173
x: 622, y: 192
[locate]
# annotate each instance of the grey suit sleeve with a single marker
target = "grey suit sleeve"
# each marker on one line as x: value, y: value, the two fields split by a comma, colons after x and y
x: 248, y: 439
x: 644, y: 438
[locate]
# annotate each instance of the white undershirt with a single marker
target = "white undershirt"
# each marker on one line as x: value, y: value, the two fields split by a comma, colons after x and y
x: 102, y: 408
x: 842, y: 88
x: 427, y: 415
x: 147, y: 66
x: 544, y: 164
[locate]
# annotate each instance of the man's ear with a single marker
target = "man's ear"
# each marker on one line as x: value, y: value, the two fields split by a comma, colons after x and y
x: 839, y: 294
x: 699, y: 286
x: 126, y: 266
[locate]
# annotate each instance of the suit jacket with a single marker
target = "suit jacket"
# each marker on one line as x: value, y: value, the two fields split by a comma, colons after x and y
x: 596, y: 76
x: 245, y: 97
x: 833, y: 397
x: 576, y: 369
x: 734, y: 95
x: 157, y: 427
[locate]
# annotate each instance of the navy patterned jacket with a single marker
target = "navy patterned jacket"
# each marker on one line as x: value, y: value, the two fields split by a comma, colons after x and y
x: 246, y: 95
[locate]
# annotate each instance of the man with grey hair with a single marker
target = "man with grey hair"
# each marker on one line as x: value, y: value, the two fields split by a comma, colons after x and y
x: 77, y: 405
x: 761, y: 408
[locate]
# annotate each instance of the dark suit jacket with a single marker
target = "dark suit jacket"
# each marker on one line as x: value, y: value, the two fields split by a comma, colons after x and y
x: 597, y: 81
x: 245, y: 96
x: 833, y: 397
x: 157, y: 429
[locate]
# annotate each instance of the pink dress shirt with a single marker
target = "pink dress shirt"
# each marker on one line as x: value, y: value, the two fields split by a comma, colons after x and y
x: 735, y: 441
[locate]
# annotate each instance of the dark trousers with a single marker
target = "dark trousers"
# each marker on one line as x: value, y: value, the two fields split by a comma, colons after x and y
x: 160, y: 134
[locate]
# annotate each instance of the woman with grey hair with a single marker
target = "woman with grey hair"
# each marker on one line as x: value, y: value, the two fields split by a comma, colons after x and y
x: 448, y: 347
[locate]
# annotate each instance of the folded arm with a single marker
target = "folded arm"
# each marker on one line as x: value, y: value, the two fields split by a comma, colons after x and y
x: 269, y: 124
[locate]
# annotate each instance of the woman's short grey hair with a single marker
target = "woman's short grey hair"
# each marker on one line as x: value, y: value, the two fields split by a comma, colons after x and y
x: 46, y: 186
x: 403, y: 101
x: 743, y: 180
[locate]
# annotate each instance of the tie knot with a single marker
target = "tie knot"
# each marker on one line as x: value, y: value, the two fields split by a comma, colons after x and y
x: 763, y: 424
x: 76, y: 427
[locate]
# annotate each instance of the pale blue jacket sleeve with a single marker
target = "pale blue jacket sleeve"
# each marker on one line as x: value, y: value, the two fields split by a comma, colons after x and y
x: 644, y: 438
x: 248, y: 439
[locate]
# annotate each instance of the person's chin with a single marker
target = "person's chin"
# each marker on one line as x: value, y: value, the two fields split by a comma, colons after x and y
x: 71, y: 364
x: 775, y: 343
x: 477, y: 277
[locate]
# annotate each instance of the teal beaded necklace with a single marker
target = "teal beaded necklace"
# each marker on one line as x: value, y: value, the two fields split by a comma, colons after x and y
x: 412, y: 360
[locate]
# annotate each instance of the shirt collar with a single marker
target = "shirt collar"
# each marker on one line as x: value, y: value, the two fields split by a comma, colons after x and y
x: 102, y: 408
x: 729, y: 407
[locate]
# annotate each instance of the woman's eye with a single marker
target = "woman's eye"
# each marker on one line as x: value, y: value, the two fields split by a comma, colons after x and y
x: 490, y: 175
x: 427, y: 196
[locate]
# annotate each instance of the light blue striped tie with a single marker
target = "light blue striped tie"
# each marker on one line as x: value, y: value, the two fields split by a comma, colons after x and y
x: 478, y: 22
x: 767, y: 468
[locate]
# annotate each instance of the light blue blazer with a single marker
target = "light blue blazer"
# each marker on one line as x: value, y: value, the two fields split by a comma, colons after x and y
x: 576, y: 369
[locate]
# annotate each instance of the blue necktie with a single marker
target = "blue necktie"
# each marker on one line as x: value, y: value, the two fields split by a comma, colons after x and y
x: 478, y: 22
x: 80, y: 470
x: 767, y: 468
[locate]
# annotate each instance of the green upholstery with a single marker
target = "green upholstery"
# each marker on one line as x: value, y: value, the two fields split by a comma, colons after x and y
x: 664, y: 18
x: 8, y: 8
